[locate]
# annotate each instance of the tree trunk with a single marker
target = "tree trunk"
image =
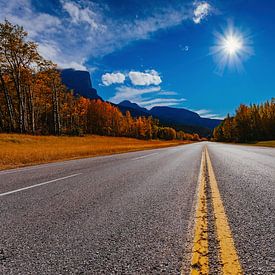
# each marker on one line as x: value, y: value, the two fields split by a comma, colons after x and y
x: 9, y: 104
x: 31, y: 110
x: 2, y: 126
x: 56, y: 115
x: 20, y: 103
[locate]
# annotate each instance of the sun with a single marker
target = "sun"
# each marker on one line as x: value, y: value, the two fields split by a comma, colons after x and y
x: 231, y: 49
x: 232, y: 44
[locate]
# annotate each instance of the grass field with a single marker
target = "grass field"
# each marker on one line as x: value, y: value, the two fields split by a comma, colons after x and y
x: 270, y: 143
x: 22, y: 150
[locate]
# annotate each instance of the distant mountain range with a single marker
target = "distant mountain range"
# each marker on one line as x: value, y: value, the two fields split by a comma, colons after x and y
x: 183, y: 116
x: 178, y: 118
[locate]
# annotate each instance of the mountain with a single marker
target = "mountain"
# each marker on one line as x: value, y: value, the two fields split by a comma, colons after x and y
x: 80, y: 82
x: 178, y: 118
x: 131, y: 105
x: 133, y: 108
x: 183, y: 116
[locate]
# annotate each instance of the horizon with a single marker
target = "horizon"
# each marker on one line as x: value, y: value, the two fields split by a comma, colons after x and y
x: 204, y: 56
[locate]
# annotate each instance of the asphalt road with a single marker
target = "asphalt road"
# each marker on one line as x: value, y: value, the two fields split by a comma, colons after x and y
x: 246, y: 178
x: 132, y: 213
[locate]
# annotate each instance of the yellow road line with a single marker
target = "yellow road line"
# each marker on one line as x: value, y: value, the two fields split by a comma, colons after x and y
x: 199, y: 264
x: 228, y: 253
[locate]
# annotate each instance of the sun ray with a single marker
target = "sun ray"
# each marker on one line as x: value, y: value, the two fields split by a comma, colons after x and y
x: 232, y: 48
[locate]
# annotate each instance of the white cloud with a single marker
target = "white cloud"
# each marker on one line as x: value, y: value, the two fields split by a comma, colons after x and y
x: 46, y: 29
x: 160, y: 102
x: 213, y: 116
x: 150, y: 100
x: 20, y: 12
x: 51, y: 51
x: 147, y: 97
x: 80, y: 15
x: 167, y: 93
x: 145, y: 79
x: 112, y: 78
x: 202, y: 112
x: 207, y: 114
x: 48, y: 50
x: 84, y: 29
x: 132, y: 94
x: 74, y: 65
x: 53, y: 33
x: 201, y: 11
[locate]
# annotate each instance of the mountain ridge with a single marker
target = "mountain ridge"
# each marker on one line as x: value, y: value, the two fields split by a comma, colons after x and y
x: 129, y: 104
x: 173, y: 115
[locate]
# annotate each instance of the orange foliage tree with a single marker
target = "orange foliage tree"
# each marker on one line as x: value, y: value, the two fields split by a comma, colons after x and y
x: 250, y: 123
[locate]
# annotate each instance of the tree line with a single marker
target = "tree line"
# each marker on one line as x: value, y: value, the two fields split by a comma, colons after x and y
x: 250, y: 123
x: 33, y: 99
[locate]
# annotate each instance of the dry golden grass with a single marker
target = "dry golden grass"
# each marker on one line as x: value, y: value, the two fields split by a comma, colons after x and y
x: 269, y: 143
x: 22, y: 150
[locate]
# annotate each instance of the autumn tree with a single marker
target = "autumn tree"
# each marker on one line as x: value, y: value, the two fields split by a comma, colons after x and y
x: 250, y: 123
x: 18, y: 59
x: 166, y: 133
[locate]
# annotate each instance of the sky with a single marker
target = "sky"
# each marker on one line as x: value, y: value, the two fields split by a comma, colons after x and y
x: 205, y: 56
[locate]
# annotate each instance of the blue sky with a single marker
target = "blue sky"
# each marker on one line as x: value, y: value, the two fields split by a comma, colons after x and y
x: 160, y: 52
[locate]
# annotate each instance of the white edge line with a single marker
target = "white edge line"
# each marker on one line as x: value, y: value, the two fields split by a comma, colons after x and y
x: 145, y: 156
x: 36, y: 185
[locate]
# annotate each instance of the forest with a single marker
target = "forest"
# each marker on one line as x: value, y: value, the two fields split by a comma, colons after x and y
x: 249, y: 124
x: 33, y: 99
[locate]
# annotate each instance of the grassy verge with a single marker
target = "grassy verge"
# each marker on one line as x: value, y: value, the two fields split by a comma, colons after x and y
x: 269, y: 143
x: 22, y: 150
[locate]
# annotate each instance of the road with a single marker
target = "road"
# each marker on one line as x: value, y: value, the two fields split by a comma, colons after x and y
x: 135, y: 213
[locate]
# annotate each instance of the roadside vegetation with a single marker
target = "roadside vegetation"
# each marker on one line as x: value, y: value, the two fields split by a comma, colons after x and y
x: 33, y: 99
x: 250, y: 124
x: 270, y: 143
x: 21, y: 150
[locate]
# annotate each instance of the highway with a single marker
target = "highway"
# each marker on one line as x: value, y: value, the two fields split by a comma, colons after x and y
x: 137, y: 213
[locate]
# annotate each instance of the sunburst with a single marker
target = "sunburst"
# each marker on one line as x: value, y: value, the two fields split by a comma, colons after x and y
x: 232, y: 48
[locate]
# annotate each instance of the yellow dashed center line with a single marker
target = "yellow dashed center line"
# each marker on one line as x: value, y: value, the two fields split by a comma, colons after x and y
x: 229, y: 260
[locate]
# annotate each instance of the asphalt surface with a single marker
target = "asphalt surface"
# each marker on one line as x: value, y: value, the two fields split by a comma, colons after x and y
x: 246, y: 178
x: 131, y: 213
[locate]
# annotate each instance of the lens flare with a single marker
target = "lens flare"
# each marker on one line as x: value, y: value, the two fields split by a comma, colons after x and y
x: 232, y: 48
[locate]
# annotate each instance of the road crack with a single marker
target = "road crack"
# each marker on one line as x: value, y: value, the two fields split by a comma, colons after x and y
x: 213, y: 249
